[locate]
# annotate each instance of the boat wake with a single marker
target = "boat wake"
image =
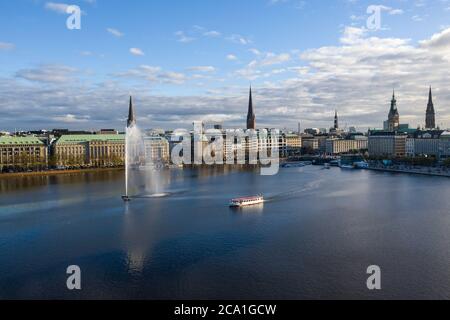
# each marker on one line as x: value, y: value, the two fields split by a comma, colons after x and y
x: 295, y: 192
x: 150, y: 196
x: 160, y: 195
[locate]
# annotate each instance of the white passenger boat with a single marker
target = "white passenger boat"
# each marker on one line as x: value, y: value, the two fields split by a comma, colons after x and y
x: 246, y: 201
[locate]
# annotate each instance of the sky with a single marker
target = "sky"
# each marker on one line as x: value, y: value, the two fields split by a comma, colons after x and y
x: 185, y: 61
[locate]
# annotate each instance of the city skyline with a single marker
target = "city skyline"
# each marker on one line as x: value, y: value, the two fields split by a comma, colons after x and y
x: 198, y: 67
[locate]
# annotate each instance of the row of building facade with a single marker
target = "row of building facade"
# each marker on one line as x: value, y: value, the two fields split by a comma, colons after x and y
x: 397, y: 140
x: 107, y: 147
x: 434, y: 144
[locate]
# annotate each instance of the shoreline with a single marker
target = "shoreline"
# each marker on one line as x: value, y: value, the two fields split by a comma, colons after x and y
x: 78, y: 171
x: 56, y: 172
x: 434, y: 174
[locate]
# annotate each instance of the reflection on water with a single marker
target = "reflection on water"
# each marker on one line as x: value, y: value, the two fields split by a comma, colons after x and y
x: 16, y: 183
x: 137, y: 237
x: 254, y: 209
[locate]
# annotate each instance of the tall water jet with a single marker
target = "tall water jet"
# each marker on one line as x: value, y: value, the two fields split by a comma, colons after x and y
x: 142, y: 167
x: 133, y: 148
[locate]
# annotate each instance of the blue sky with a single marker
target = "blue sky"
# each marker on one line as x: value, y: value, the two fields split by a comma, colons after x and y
x: 194, y: 60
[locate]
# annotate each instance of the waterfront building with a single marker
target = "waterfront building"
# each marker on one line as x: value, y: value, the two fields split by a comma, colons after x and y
x: 426, y: 147
x: 387, y: 144
x: 293, y: 144
x: 251, y: 117
x: 22, y: 152
x: 430, y: 118
x: 92, y: 150
x: 322, y: 142
x: 426, y: 143
x: 444, y: 145
x: 310, y: 143
x: 339, y: 146
x: 265, y: 142
x: 232, y: 145
x: 177, y: 137
x: 253, y: 143
x: 156, y: 149
x: 283, y: 148
x: 410, y: 147
x: 423, y: 143
x: 199, y: 143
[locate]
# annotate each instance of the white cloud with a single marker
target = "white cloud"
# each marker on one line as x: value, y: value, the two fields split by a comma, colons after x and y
x: 355, y: 76
x: 231, y: 57
x: 255, y: 51
x: 396, y: 11
x: 272, y: 58
x: 48, y: 74
x: 137, y: 52
x: 71, y: 118
x: 173, y: 77
x: 6, y: 46
x: 253, y: 69
x: 237, y: 38
x: 202, y: 69
x: 183, y: 38
x: 155, y: 74
x: 212, y: 33
x: 115, y: 32
x: 439, y: 40
x: 56, y: 7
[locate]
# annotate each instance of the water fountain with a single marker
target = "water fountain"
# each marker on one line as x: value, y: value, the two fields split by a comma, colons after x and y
x: 142, y: 170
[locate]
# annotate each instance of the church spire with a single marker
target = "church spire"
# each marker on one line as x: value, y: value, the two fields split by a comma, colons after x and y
x: 430, y: 119
x: 394, y: 117
x: 131, y: 116
x: 430, y: 98
x: 393, y: 101
x: 336, y: 120
x: 251, y: 118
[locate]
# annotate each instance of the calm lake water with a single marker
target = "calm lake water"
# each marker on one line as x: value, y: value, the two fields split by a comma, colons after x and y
x: 313, y: 239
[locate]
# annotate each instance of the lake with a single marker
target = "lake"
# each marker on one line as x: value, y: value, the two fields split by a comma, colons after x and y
x: 313, y: 238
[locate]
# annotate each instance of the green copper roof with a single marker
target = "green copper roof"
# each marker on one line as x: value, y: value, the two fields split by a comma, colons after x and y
x: 90, y: 137
x: 8, y: 140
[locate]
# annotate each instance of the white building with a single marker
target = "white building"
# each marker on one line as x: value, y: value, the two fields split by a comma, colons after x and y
x: 444, y: 145
x: 410, y: 147
x: 339, y: 146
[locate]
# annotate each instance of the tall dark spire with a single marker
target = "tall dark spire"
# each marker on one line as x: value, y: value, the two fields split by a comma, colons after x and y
x: 394, y: 117
x: 430, y: 120
x: 131, y: 116
x: 251, y: 118
x: 393, y: 102
x: 336, y: 120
